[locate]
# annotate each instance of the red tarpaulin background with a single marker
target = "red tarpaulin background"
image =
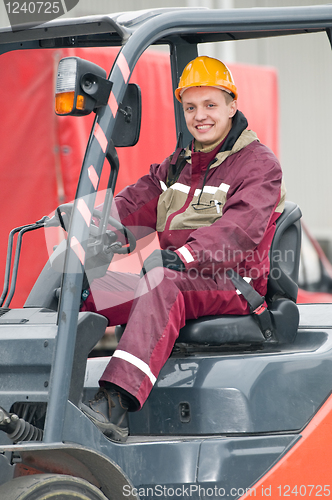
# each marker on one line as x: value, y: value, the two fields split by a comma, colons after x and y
x: 41, y: 153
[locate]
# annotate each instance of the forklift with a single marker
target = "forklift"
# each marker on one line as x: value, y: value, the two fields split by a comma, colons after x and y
x: 240, y: 408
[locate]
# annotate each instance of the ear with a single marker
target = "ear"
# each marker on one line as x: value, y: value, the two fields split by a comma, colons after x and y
x: 232, y: 108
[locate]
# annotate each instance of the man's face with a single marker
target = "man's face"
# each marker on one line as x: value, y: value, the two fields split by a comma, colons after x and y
x: 208, y: 117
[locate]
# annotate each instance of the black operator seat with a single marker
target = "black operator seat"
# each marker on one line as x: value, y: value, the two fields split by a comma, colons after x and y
x: 281, y: 296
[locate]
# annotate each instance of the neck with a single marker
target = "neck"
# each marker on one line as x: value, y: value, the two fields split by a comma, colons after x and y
x: 198, y: 146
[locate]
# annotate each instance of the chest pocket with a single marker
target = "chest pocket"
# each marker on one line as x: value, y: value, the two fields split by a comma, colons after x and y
x: 206, y: 212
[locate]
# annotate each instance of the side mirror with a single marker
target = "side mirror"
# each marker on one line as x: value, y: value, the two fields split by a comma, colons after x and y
x: 128, y: 121
x: 81, y: 87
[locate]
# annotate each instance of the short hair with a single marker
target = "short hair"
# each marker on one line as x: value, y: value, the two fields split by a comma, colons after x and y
x: 228, y: 97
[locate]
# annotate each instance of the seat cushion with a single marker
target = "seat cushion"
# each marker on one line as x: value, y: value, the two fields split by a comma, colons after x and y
x: 230, y: 329
x: 216, y: 330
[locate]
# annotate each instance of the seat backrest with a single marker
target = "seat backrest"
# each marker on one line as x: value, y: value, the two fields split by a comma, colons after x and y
x: 285, y: 255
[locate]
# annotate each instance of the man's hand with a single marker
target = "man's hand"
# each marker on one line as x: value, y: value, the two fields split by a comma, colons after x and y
x: 162, y: 258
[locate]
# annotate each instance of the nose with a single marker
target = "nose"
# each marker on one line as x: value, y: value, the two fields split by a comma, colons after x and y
x: 200, y: 113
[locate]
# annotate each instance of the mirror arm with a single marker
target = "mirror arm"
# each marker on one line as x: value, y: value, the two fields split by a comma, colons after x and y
x: 127, y: 112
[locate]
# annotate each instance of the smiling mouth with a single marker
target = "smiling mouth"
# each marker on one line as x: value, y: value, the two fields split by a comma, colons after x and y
x: 203, y: 127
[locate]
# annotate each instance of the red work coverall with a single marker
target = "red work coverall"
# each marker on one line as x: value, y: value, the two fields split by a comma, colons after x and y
x: 215, y: 216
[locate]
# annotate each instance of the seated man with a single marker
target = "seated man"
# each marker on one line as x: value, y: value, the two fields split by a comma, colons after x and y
x: 214, y: 206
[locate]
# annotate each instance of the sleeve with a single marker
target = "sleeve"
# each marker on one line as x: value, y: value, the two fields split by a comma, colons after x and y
x: 136, y: 205
x: 247, y: 213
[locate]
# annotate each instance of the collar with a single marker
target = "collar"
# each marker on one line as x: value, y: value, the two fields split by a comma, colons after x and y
x: 238, y: 138
x: 199, y: 148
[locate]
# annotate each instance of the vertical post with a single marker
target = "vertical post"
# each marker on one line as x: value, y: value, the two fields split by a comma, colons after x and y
x: 181, y: 53
x: 64, y: 351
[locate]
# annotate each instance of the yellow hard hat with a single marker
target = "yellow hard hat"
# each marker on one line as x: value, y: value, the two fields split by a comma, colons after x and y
x: 206, y: 71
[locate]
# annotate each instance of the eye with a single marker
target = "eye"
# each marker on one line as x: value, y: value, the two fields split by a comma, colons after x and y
x: 211, y: 105
x: 189, y: 108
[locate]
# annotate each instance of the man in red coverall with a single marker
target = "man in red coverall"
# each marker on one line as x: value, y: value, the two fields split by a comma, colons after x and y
x: 214, y: 206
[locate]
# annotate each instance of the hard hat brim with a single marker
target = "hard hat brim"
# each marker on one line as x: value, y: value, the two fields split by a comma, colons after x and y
x: 180, y: 90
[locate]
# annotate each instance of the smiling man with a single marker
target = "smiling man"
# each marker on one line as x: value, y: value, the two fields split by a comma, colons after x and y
x: 214, y: 206
x: 208, y: 114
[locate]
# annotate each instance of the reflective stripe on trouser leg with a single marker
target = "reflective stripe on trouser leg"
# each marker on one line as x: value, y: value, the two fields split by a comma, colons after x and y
x: 136, y: 362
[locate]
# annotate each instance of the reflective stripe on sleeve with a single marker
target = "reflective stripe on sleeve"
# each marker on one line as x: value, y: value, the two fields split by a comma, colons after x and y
x: 186, y: 254
x: 141, y: 365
